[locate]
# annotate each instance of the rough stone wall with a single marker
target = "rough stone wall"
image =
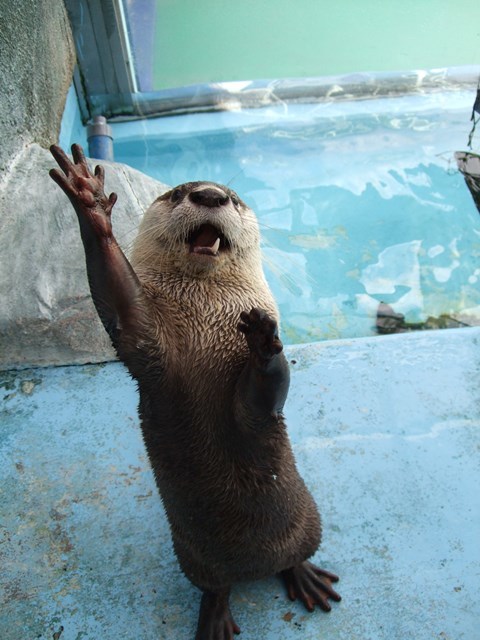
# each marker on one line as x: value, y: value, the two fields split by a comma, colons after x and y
x: 37, y: 58
x: 46, y: 314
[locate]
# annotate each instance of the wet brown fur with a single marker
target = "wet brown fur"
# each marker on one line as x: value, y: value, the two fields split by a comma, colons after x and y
x: 236, y: 504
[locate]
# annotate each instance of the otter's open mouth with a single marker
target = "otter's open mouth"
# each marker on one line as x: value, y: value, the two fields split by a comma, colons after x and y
x: 207, y: 241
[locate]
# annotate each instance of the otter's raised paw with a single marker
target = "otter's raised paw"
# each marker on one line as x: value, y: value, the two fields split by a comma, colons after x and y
x: 261, y: 333
x: 84, y: 189
x: 215, y: 621
x: 311, y: 585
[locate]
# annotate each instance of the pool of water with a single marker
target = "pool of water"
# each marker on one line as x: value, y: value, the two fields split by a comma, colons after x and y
x: 359, y: 203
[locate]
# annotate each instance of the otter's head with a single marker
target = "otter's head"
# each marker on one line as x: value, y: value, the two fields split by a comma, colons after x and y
x: 198, y: 228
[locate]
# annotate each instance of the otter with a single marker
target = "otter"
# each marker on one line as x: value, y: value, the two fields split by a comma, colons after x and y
x: 194, y: 321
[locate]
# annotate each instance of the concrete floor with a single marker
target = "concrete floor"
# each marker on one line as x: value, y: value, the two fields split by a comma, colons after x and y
x: 386, y: 433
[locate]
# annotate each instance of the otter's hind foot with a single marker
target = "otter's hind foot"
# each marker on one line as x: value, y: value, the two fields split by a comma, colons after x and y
x: 311, y: 585
x: 215, y: 621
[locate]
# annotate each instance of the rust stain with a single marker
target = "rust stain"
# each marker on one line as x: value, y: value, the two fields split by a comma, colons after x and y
x: 288, y: 616
x: 14, y: 592
x: 146, y: 496
x: 61, y: 539
x: 56, y: 515
x: 134, y: 468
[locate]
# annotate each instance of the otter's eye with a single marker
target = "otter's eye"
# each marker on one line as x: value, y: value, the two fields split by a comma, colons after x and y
x: 176, y: 195
x: 235, y: 200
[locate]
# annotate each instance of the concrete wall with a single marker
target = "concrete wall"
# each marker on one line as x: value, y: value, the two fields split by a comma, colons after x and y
x: 36, y: 61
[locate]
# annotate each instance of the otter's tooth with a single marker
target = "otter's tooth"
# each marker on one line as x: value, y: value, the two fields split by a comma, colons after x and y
x: 215, y: 247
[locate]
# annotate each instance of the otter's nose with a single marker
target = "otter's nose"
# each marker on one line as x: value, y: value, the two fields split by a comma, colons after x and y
x: 209, y: 197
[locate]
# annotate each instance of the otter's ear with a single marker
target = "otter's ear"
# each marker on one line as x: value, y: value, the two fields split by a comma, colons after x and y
x: 163, y: 197
x: 174, y: 195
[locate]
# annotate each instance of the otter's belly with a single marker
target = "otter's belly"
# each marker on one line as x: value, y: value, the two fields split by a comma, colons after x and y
x: 236, y: 505
x: 242, y: 536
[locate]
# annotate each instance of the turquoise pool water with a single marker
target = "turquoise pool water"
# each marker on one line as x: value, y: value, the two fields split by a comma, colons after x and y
x: 359, y: 202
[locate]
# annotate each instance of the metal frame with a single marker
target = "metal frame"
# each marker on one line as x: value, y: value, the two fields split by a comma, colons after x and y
x: 105, y: 78
x: 106, y: 82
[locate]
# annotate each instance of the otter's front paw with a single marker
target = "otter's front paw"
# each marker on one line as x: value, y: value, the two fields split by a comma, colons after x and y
x: 84, y: 189
x: 261, y: 333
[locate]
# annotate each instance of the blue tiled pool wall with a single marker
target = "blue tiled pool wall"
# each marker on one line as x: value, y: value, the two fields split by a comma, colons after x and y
x: 359, y: 202
x: 72, y: 129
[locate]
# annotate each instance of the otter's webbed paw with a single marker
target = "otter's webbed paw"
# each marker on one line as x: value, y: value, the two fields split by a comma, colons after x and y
x: 311, y: 585
x: 261, y: 334
x: 215, y: 621
x: 84, y: 189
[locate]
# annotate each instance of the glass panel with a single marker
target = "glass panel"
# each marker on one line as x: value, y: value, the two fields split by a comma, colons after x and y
x: 148, y: 57
x: 140, y: 18
x: 179, y: 43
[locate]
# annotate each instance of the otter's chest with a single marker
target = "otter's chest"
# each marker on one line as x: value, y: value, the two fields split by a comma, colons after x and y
x: 204, y: 344
x: 193, y: 334
x: 193, y: 341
